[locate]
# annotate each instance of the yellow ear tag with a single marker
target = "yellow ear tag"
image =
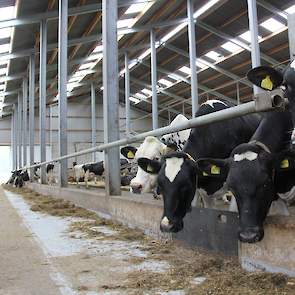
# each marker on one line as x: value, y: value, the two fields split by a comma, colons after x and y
x: 149, y: 168
x: 205, y: 174
x: 285, y: 163
x: 266, y: 83
x: 130, y: 155
x: 215, y: 169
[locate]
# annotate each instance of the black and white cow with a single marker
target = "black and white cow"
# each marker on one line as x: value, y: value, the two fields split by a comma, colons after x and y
x: 177, y: 172
x: 260, y: 171
x: 50, y: 174
x: 153, y: 148
x: 20, y: 178
x: 50, y: 178
x: 84, y: 172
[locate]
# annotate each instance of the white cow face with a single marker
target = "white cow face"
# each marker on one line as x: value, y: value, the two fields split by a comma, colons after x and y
x: 152, y: 149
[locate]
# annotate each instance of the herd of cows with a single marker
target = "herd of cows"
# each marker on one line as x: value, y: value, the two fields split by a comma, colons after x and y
x: 249, y: 162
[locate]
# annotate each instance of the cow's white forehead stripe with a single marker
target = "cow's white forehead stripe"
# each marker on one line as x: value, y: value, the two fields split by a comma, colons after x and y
x: 249, y: 155
x: 292, y: 65
x: 165, y: 221
x: 173, y: 166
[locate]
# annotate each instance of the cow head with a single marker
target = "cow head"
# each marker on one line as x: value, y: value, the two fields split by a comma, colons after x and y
x: 250, y: 172
x: 269, y: 78
x: 177, y: 183
x: 152, y: 149
x: 25, y: 175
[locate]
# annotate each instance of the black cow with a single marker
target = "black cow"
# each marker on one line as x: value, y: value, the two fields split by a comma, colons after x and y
x: 260, y: 170
x: 20, y: 178
x: 177, y: 172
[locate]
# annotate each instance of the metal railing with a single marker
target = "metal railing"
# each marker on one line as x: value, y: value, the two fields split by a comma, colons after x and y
x: 229, y: 113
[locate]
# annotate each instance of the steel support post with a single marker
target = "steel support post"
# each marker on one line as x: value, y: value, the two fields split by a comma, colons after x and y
x: 291, y: 35
x: 20, y: 123
x: 15, y: 134
x: 154, y: 79
x: 192, y: 56
x: 253, y: 26
x: 12, y: 139
x: 93, y: 120
x: 32, y: 112
x: 42, y: 97
x: 127, y: 94
x: 62, y: 88
x: 25, y: 120
x: 238, y: 93
x: 111, y: 95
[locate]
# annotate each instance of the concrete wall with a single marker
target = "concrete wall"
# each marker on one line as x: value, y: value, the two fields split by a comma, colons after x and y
x: 79, y: 127
x: 5, y: 131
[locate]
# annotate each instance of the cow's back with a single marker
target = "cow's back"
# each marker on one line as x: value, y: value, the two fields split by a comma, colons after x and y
x: 218, y: 139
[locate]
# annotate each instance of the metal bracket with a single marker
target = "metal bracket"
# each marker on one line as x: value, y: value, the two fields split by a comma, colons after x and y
x: 268, y: 100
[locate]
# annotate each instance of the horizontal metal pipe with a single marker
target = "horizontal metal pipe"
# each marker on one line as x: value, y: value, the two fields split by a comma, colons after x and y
x: 229, y: 113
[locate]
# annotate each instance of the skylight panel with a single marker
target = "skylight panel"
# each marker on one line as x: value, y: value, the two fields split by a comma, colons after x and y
x: 165, y: 82
x: 171, y: 76
x: 134, y: 99
x: 291, y: 9
x: 214, y: 55
x: 132, y: 64
x: 147, y: 91
x: 96, y: 56
x: 200, y: 64
x: 3, y: 62
x: 140, y: 95
x: 3, y: 71
x: 247, y: 36
x: 272, y: 25
x: 71, y: 86
x: 5, y: 33
x: 82, y: 73
x: 74, y: 79
x: 185, y: 70
x: 144, y: 54
x: 231, y: 47
x: 166, y: 37
x: 98, y: 48
x: 88, y: 65
x: 2, y: 86
x: 7, y: 13
x: 4, y: 48
x: 135, y: 8
x: 125, y: 23
x: 205, y: 7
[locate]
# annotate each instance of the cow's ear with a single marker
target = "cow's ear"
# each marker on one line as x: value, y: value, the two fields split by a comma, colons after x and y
x: 265, y: 77
x: 129, y: 152
x: 213, y: 167
x: 285, y: 161
x: 149, y: 166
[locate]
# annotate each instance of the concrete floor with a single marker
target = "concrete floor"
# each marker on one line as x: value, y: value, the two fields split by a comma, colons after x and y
x: 40, y: 256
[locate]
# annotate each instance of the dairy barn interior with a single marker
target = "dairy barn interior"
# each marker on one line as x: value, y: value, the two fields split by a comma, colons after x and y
x: 147, y: 147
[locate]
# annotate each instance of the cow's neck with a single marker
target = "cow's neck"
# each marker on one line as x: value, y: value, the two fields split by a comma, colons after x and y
x: 274, y: 130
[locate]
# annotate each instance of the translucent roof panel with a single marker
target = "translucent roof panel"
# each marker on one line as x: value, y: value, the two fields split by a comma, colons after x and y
x: 272, y: 25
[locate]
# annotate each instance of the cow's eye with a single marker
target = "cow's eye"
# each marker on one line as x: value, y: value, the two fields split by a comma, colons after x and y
x: 156, y: 158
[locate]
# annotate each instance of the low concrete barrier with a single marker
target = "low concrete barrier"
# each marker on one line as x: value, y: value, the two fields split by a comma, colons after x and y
x: 276, y: 252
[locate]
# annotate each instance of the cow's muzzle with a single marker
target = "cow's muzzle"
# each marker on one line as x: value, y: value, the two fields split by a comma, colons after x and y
x: 136, y: 188
x: 251, y: 234
x: 169, y: 226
